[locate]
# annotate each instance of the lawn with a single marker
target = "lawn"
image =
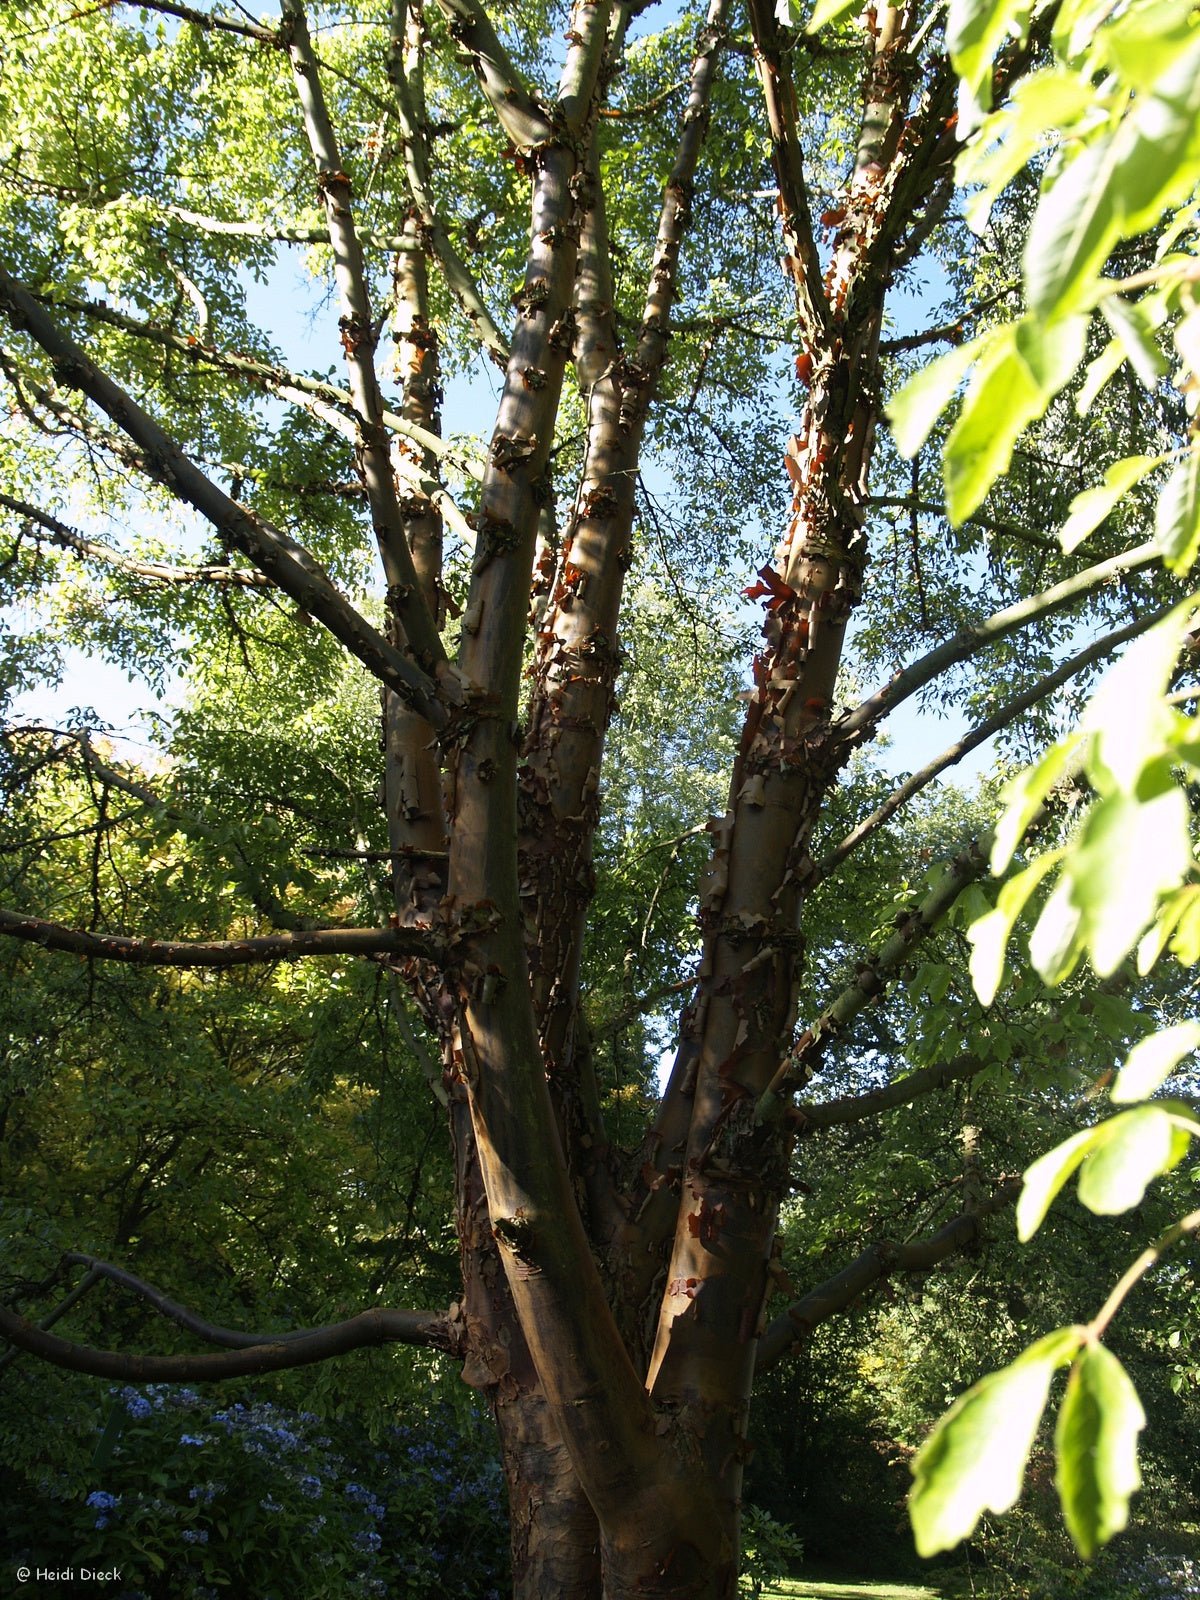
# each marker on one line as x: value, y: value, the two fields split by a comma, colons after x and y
x: 806, y: 1589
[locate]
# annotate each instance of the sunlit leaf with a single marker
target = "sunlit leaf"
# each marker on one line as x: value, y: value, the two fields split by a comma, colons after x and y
x: 914, y: 409
x: 1128, y: 1153
x: 974, y: 1460
x: 1177, y: 524
x: 1152, y: 1061
x: 989, y: 936
x: 1043, y: 1181
x: 1095, y: 1444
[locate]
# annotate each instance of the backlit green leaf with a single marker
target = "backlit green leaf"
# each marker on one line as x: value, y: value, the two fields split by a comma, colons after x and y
x: 1095, y: 1444
x: 974, y: 1460
x: 1177, y: 523
x: 1152, y: 1061
x: 915, y: 408
x: 1042, y: 1181
x: 989, y: 936
x: 1128, y: 1153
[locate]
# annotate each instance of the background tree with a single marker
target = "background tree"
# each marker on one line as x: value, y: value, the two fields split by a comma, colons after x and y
x: 181, y: 492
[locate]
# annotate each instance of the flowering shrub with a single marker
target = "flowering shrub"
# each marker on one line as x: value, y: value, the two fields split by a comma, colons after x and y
x: 193, y: 1499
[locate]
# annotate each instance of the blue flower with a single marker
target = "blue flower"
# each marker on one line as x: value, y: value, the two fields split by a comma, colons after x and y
x: 101, y: 1500
x: 367, y: 1540
x: 311, y: 1487
x: 195, y: 1438
x: 103, y: 1522
x: 195, y: 1536
x: 270, y: 1504
x: 136, y: 1404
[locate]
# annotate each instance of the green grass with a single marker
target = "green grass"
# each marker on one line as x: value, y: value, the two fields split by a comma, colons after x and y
x: 804, y: 1589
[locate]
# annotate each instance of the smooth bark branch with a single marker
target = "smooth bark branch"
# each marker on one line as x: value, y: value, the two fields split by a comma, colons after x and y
x: 873, y: 974
x: 901, y: 1092
x: 87, y: 1283
x: 519, y: 113
x: 370, y: 1328
x: 786, y: 1333
x: 437, y: 1323
x: 411, y: 113
x: 577, y: 656
x: 152, y: 571
x: 860, y: 723
x: 220, y: 952
x: 287, y: 564
x: 210, y: 21
x: 1003, y: 718
x: 410, y: 616
x: 285, y: 233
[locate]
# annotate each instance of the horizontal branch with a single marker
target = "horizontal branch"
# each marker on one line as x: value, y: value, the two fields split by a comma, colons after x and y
x: 291, y: 946
x: 152, y: 571
x: 275, y: 379
x: 789, y: 1330
x: 860, y: 723
x: 902, y: 1092
x: 954, y: 753
x: 376, y: 1327
x: 85, y: 1285
x: 284, y: 233
x: 210, y: 21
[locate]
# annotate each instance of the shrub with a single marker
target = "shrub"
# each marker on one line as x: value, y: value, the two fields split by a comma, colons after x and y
x: 190, y: 1499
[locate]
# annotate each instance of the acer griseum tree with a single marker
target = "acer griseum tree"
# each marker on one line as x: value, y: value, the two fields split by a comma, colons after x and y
x: 614, y: 1301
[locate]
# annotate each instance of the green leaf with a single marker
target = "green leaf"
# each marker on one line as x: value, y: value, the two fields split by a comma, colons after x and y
x: 1146, y: 40
x: 1129, y: 853
x: 825, y: 12
x: 975, y: 31
x: 1056, y: 943
x: 1089, y: 509
x: 1095, y: 1443
x: 1152, y: 1061
x: 1128, y: 1153
x: 1024, y: 796
x: 1177, y: 522
x: 1133, y: 327
x: 1042, y: 1181
x: 1131, y: 725
x: 1119, y: 185
x: 974, y: 1460
x: 989, y: 936
x: 1010, y: 137
x: 914, y: 408
x: 1014, y: 381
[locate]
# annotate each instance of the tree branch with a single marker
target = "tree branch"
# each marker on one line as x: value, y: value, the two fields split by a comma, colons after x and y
x: 410, y: 616
x: 222, y: 952
x: 955, y: 752
x: 276, y: 380
x: 521, y: 116
x: 286, y: 563
x: 208, y: 20
x: 872, y: 977
x: 789, y: 1330
x: 860, y: 723
x: 901, y: 1092
x: 153, y: 571
x: 457, y: 274
x: 376, y: 1327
